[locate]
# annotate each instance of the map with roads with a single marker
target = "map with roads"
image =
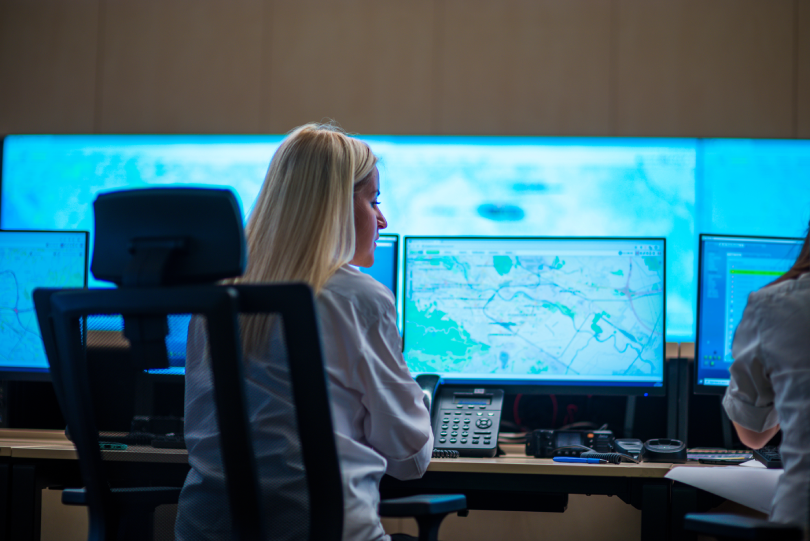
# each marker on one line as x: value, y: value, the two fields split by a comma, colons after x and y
x: 581, y: 317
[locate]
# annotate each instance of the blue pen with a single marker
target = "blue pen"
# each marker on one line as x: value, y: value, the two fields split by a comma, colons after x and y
x: 580, y: 460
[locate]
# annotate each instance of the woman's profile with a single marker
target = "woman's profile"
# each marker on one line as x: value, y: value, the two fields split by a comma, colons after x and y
x: 315, y: 218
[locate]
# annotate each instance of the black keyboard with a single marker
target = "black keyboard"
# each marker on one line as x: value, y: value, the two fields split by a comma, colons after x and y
x: 769, y: 456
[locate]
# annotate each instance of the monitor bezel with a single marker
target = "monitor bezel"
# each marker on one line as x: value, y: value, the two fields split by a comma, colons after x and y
x: 539, y: 387
x: 2, y: 166
x: 394, y: 237
x: 20, y: 373
x: 697, y: 388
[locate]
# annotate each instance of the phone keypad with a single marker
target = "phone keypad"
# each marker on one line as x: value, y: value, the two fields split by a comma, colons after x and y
x: 468, y: 428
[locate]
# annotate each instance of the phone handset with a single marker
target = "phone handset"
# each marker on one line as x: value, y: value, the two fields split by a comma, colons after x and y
x: 428, y: 383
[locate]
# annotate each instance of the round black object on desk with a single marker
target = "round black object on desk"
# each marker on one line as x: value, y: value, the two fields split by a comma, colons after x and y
x: 664, y: 450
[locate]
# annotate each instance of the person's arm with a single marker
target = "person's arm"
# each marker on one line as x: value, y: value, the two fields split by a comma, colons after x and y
x: 749, y: 400
x: 398, y: 424
x: 754, y: 439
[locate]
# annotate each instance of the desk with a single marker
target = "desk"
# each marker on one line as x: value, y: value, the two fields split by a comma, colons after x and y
x: 33, y: 460
x: 520, y: 483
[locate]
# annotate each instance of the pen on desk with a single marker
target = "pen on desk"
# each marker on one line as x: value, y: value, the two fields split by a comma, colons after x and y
x: 580, y: 460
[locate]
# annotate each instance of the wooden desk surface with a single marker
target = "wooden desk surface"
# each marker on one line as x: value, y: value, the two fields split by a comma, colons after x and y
x: 516, y: 462
x: 545, y: 466
x: 52, y: 444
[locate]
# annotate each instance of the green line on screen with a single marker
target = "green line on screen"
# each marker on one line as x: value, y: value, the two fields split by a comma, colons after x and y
x: 757, y: 272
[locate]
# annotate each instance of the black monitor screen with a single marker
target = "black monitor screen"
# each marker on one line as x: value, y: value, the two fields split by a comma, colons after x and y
x: 730, y: 268
x: 584, y: 313
x: 28, y: 260
x: 384, y: 269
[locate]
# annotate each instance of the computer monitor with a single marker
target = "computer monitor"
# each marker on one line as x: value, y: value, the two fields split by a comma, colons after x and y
x: 566, y: 315
x: 28, y: 260
x: 729, y: 269
x: 386, y: 260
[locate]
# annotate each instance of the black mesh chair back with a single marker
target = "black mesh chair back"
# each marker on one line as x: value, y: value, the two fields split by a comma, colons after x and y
x: 164, y: 248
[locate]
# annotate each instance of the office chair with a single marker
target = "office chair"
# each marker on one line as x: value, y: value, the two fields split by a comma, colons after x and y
x: 159, y: 245
x: 157, y: 254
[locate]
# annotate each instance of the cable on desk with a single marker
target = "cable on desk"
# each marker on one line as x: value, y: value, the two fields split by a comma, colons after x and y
x: 613, y: 458
x: 445, y: 453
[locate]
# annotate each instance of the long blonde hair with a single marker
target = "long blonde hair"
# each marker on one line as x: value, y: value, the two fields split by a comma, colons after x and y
x: 301, y: 228
x: 302, y: 225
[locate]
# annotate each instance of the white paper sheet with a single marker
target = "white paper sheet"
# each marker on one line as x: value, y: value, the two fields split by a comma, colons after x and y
x: 751, y: 487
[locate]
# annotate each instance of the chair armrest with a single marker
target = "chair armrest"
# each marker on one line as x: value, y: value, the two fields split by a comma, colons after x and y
x: 74, y: 496
x: 125, y: 497
x: 740, y: 527
x: 415, y: 506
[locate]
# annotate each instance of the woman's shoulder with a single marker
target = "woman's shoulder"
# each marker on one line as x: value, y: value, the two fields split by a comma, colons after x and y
x: 798, y: 288
x: 781, y: 306
x: 350, y: 286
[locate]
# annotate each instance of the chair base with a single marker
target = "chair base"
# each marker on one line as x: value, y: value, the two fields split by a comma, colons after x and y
x: 735, y: 527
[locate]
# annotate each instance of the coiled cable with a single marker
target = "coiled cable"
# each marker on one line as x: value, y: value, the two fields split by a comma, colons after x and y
x: 613, y: 458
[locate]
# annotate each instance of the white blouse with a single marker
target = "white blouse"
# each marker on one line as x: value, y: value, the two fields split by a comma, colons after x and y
x: 770, y: 385
x: 380, y: 421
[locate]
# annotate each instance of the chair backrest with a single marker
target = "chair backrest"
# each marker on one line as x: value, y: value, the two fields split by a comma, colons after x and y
x: 158, y: 245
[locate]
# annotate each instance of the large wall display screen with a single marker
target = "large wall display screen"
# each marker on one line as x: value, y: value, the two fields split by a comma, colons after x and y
x: 482, y: 186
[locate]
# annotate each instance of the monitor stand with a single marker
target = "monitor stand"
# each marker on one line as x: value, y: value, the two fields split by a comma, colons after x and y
x: 725, y: 423
x: 629, y: 416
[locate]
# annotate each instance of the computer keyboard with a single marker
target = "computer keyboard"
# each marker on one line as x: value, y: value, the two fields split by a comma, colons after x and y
x: 717, y: 453
x: 769, y: 456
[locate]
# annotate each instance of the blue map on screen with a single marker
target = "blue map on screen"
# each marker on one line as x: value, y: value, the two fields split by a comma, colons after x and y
x: 28, y: 260
x: 438, y: 185
x: 563, y: 310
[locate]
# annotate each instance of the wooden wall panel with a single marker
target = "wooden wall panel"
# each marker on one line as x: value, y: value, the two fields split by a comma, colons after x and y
x: 803, y: 68
x: 521, y: 67
x: 47, y: 65
x: 364, y: 63
x: 583, y: 67
x: 698, y: 68
x: 188, y: 66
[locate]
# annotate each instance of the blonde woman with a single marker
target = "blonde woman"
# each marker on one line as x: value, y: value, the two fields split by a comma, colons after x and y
x: 317, y: 215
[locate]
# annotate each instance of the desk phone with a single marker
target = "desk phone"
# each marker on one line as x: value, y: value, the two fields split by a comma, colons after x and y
x: 467, y: 420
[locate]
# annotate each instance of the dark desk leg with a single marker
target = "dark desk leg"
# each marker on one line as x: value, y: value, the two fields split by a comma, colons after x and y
x: 24, y: 522
x: 654, y: 512
x: 5, y: 491
x: 684, y: 500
